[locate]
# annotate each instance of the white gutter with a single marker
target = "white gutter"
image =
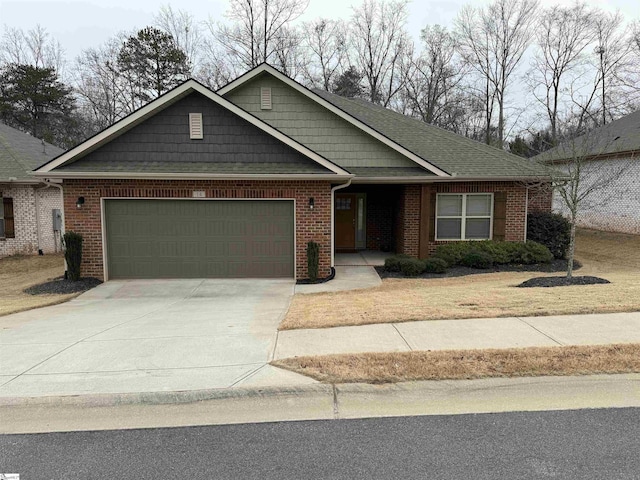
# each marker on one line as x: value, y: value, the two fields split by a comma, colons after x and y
x: 434, y: 179
x: 189, y: 176
x: 333, y: 228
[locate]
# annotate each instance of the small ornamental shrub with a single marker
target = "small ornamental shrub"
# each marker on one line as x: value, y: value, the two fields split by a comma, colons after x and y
x: 313, y: 260
x: 477, y: 259
x: 551, y: 230
x: 533, y: 252
x: 452, y: 253
x: 412, y: 267
x: 435, y: 265
x: 73, y: 254
x: 392, y: 264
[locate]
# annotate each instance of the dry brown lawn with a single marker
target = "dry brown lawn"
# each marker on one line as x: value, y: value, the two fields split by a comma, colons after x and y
x: 615, y: 257
x: 23, y: 271
x: 467, y: 364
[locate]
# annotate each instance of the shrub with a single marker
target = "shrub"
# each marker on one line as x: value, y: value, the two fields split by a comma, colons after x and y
x: 452, y: 253
x: 313, y: 260
x: 551, y: 230
x: 73, y: 254
x: 392, y: 264
x: 477, y: 259
x: 435, y: 265
x: 533, y: 252
x: 411, y: 267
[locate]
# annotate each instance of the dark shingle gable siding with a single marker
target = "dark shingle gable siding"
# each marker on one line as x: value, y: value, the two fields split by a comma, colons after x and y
x: 162, y: 143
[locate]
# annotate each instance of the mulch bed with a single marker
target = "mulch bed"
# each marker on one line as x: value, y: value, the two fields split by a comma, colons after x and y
x: 459, y: 271
x: 562, y: 281
x: 61, y: 286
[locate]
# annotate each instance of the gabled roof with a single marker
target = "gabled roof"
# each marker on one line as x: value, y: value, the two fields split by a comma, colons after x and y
x: 380, y: 136
x: 20, y: 153
x: 458, y: 155
x: 619, y: 136
x: 62, y: 166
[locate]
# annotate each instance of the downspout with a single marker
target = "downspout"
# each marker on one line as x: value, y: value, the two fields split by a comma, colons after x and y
x: 48, y: 183
x: 35, y: 194
x: 526, y: 212
x: 333, y: 238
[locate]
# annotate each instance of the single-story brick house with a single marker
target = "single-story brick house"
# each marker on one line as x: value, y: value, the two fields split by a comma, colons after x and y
x: 28, y: 205
x: 609, y: 159
x: 234, y: 183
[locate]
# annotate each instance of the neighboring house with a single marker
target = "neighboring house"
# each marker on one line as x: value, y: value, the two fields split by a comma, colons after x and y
x: 26, y: 213
x: 236, y: 183
x: 609, y: 158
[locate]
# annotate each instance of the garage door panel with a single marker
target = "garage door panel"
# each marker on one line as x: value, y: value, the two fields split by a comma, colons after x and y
x: 195, y: 239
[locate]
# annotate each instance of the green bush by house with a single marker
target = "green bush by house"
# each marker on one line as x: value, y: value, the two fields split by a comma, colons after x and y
x: 73, y: 254
x: 551, y: 230
x: 313, y: 260
x: 501, y: 253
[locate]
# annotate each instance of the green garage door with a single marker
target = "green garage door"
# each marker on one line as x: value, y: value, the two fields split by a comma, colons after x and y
x: 199, y: 239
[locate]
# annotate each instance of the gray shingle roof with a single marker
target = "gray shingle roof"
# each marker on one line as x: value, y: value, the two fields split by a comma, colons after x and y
x: 448, y: 151
x: 622, y: 135
x: 20, y: 153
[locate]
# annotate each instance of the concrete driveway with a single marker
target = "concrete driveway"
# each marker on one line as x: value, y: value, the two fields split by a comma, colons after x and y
x: 146, y: 336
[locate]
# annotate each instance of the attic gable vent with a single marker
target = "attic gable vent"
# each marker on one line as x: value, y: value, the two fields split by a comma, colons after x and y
x: 265, y: 98
x: 195, y: 126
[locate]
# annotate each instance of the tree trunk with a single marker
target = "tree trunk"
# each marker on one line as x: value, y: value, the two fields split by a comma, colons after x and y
x: 572, y: 249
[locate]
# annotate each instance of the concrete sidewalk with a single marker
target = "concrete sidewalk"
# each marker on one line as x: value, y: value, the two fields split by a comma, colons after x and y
x: 508, y: 332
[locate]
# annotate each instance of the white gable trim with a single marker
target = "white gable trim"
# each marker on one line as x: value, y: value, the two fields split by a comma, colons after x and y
x: 168, y: 98
x: 329, y: 106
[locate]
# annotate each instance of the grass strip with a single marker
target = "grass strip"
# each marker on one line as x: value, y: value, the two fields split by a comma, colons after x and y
x: 466, y: 364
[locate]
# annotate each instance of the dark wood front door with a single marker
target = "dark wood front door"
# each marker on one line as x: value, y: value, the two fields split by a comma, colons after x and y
x: 345, y: 216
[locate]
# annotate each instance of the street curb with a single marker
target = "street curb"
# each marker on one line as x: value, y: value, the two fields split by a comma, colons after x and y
x: 330, y: 390
x: 166, y: 398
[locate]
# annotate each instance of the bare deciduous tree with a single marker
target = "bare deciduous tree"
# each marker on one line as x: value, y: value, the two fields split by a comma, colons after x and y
x: 257, y: 29
x: 562, y: 35
x: 581, y: 183
x: 493, y: 40
x: 32, y: 47
x: 326, y: 42
x: 381, y: 45
x: 433, y: 86
x: 186, y: 32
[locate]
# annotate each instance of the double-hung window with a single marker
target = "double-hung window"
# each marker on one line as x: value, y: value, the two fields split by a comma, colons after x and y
x: 464, y: 216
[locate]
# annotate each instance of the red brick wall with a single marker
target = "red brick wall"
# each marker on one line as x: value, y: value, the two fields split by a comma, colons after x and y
x: 310, y: 224
x: 540, y: 198
x: 409, y: 215
x: 408, y: 222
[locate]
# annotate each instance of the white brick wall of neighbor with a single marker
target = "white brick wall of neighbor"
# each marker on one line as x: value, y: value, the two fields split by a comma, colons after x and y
x: 24, y: 213
x: 615, y: 208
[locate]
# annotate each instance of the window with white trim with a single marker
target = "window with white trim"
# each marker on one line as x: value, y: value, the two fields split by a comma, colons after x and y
x: 465, y: 216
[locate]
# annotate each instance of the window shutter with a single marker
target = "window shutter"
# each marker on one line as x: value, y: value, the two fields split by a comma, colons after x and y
x: 432, y: 217
x: 9, y: 228
x: 195, y: 126
x: 265, y: 98
x: 499, y: 215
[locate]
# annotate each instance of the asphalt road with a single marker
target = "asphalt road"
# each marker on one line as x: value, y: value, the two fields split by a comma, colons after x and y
x: 581, y: 444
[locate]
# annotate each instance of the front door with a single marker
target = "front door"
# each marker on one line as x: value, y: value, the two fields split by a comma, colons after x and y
x: 345, y: 216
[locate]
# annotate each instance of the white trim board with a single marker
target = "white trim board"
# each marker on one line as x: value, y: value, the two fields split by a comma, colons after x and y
x: 167, y: 99
x: 331, y: 107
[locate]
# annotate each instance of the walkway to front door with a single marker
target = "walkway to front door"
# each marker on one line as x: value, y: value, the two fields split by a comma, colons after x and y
x: 365, y: 257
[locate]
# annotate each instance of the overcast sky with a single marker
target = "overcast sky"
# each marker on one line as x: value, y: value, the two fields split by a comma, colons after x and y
x: 78, y: 24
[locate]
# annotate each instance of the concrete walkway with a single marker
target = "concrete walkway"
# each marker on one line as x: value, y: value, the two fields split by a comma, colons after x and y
x: 517, y: 332
x: 354, y: 271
